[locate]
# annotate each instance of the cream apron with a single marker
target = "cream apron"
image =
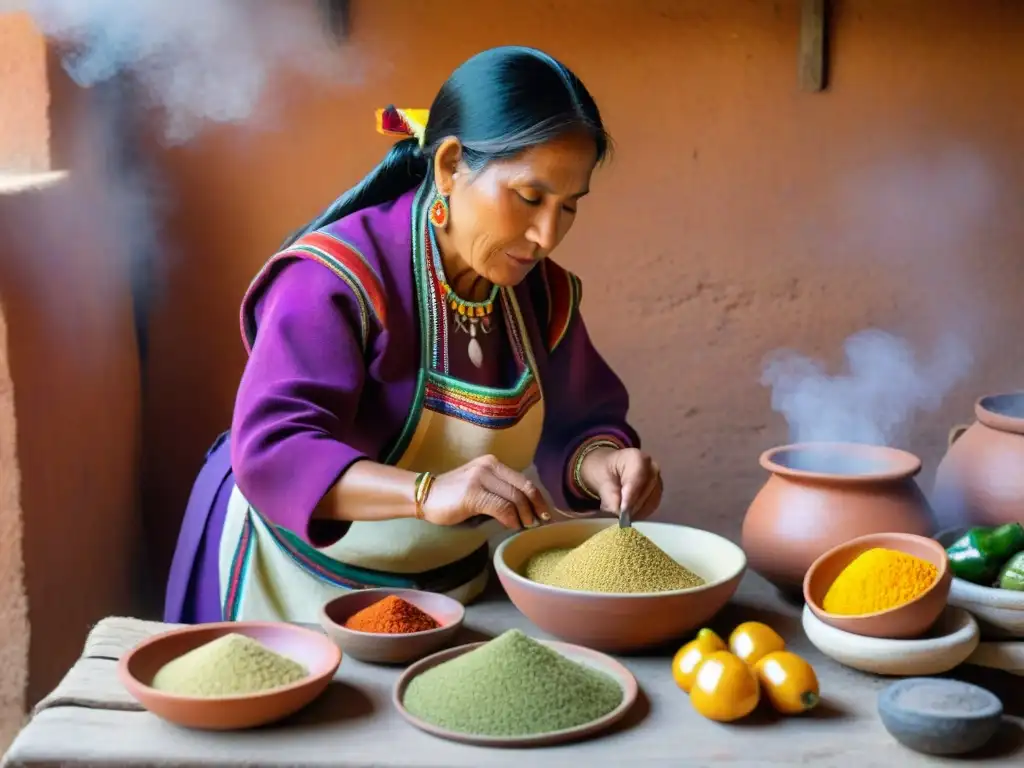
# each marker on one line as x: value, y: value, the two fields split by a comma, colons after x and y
x: 267, y: 573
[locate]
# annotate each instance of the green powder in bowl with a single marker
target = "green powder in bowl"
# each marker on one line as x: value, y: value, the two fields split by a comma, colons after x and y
x: 512, y: 686
x: 228, y: 666
x: 616, y: 560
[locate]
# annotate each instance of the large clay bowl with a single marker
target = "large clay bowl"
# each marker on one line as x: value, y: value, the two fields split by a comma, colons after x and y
x: 1000, y: 612
x: 306, y: 646
x: 979, y: 481
x: 820, y: 495
x: 622, y: 623
x: 910, y: 620
x: 387, y: 648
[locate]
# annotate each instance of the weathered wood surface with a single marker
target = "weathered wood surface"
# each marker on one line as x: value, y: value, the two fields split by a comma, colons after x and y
x: 90, y: 720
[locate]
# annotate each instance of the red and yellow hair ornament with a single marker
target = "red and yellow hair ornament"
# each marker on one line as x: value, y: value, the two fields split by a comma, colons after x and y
x: 392, y: 121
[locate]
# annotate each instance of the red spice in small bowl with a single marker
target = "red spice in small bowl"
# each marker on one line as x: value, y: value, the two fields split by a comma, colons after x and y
x: 391, y: 616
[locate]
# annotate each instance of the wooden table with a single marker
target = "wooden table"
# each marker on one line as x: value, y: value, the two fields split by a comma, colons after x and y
x: 90, y: 720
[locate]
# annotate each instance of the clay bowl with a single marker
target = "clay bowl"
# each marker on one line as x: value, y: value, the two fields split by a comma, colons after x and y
x: 909, y: 620
x: 391, y: 649
x: 1000, y: 612
x: 820, y: 495
x: 622, y: 623
x: 306, y: 646
x: 950, y: 642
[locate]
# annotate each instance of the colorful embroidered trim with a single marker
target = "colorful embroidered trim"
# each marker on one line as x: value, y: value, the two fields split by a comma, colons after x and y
x: 239, y: 570
x: 479, y: 405
x: 345, y: 261
x: 565, y: 292
x: 575, y: 465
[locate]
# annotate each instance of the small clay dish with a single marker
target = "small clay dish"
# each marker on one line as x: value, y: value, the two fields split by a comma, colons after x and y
x: 939, y: 717
x: 585, y: 656
x: 912, y: 619
x: 1000, y: 612
x: 949, y: 643
x: 380, y: 648
x: 223, y: 713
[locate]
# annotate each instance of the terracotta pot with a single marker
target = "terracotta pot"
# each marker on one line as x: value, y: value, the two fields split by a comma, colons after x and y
x: 821, y: 495
x: 980, y: 481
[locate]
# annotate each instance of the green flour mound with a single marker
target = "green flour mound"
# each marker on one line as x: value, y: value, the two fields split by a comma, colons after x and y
x: 618, y: 560
x: 512, y: 686
x: 230, y: 665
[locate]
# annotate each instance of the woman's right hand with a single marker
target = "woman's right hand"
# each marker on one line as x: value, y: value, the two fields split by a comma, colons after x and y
x: 485, y: 486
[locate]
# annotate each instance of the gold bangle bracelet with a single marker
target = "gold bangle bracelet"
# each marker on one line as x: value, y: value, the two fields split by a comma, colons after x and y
x: 424, y: 481
x: 577, y: 468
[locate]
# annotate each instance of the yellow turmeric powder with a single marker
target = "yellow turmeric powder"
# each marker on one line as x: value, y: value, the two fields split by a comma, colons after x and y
x: 877, y: 580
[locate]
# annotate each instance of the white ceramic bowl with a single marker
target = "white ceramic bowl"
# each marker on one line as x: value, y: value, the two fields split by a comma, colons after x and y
x: 953, y: 639
x: 1007, y: 657
x: 1000, y: 612
x: 618, y: 623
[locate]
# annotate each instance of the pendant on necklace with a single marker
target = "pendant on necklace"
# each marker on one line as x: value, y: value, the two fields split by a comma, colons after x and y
x: 476, y: 352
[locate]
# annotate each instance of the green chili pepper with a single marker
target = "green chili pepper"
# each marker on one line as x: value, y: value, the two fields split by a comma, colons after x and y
x: 1012, y: 575
x: 978, y: 555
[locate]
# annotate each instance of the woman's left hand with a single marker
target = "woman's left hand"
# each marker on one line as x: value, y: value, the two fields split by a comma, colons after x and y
x: 624, y: 479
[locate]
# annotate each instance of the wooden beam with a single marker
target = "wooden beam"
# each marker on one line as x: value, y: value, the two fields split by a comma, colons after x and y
x: 336, y: 15
x: 813, y: 59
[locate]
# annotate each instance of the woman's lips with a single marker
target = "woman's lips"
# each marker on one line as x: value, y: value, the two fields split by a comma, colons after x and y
x: 526, y: 261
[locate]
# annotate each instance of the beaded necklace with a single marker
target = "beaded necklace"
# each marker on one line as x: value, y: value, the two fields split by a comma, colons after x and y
x: 470, y: 317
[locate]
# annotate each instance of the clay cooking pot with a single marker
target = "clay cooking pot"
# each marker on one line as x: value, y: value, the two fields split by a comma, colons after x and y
x: 821, y: 495
x: 980, y: 481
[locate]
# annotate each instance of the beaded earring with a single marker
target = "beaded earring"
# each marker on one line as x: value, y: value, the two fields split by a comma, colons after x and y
x: 439, y: 212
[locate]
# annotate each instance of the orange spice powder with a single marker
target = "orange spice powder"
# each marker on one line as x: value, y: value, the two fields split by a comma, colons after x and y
x: 391, y: 616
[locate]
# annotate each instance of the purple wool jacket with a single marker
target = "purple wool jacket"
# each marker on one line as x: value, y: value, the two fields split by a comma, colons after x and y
x: 333, y: 372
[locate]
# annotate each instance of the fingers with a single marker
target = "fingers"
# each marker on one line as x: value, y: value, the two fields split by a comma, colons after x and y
x: 507, y: 496
x: 538, y: 504
x: 651, y: 500
x: 638, y: 472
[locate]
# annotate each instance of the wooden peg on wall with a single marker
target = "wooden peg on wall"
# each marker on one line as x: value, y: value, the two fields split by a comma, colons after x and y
x: 336, y: 17
x: 813, y: 59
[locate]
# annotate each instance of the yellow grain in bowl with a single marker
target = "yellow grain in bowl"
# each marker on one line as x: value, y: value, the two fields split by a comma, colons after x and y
x: 616, y: 560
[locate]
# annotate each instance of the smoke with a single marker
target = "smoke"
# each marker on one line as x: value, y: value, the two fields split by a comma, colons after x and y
x: 196, y: 61
x: 884, y: 385
x: 920, y: 216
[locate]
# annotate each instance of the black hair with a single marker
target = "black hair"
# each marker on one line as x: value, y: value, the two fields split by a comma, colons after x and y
x: 497, y: 104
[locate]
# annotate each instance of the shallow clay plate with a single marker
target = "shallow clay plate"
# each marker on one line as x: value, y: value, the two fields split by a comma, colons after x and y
x: 308, y: 647
x: 585, y: 656
x: 949, y: 643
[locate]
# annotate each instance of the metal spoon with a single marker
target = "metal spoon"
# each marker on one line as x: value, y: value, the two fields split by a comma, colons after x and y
x: 625, y: 518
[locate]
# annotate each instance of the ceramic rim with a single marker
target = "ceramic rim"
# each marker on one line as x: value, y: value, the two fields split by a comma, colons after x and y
x: 605, y: 663
x: 501, y: 566
x: 398, y: 592
x: 866, y: 539
x: 900, y: 464
x: 124, y: 671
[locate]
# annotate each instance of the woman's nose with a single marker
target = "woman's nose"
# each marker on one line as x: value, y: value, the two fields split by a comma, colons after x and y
x: 544, y: 232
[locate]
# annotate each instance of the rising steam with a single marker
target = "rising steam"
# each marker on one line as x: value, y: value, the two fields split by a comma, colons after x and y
x: 195, y: 60
x: 884, y: 385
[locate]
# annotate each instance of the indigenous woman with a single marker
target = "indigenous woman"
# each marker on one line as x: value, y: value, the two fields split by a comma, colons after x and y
x: 411, y: 352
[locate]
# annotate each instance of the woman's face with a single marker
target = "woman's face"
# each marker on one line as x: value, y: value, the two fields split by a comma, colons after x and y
x: 508, y: 216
